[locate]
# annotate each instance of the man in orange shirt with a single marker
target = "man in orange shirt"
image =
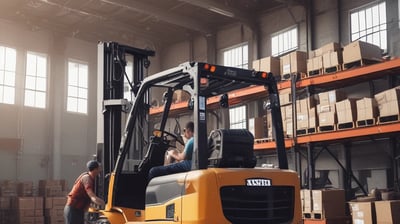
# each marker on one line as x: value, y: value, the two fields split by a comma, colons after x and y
x: 82, y: 194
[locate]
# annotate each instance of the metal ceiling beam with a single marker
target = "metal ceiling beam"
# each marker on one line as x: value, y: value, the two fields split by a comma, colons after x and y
x: 224, y: 10
x: 81, y: 27
x: 182, y: 21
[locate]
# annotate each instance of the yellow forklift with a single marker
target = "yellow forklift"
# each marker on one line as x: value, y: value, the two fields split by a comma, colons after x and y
x: 223, y: 186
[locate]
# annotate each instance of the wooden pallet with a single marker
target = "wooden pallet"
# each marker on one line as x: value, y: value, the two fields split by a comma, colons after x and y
x: 364, y: 123
x: 315, y: 72
x: 302, y: 131
x: 388, y: 119
x: 359, y: 63
x: 326, y: 128
x: 263, y: 140
x: 333, y: 69
x: 347, y: 125
x: 311, y: 130
x: 313, y: 215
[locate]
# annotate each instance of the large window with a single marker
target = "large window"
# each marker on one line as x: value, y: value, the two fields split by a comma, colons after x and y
x: 284, y: 41
x: 369, y: 24
x: 8, y: 58
x: 77, y: 87
x: 238, y: 118
x: 237, y: 56
x: 35, y: 80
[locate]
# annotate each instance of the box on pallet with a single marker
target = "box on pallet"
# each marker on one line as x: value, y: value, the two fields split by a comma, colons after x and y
x: 366, y: 109
x: 329, y: 47
x: 312, y: 120
x: 387, y: 212
x: 331, y: 59
x: 270, y: 64
x: 285, y: 96
x: 363, y: 212
x: 346, y: 111
x: 314, y: 63
x: 359, y: 50
x: 294, y: 62
x: 329, y: 203
x: 388, y: 102
x: 331, y: 97
x: 257, y: 126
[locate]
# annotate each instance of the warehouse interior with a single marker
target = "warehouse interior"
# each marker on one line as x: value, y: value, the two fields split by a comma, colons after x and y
x: 48, y: 140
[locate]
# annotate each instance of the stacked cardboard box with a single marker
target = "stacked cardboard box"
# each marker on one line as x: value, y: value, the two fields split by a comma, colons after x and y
x: 25, y: 189
x: 363, y: 212
x: 303, y: 107
x: 258, y: 127
x: 326, y: 109
x: 285, y: 96
x: 268, y: 64
x: 52, y: 188
x: 8, y: 188
x: 294, y: 62
x: 5, y: 206
x: 27, y: 210
x: 388, y: 105
x: 347, y: 113
x: 324, y: 58
x: 367, y: 111
x: 360, y: 51
x: 387, y: 212
x: 323, y: 204
x: 54, y: 210
x: 328, y: 203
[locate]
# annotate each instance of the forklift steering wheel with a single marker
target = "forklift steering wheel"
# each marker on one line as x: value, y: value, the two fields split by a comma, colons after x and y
x: 176, y: 138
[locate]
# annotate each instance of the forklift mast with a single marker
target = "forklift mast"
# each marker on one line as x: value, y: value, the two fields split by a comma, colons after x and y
x: 112, y: 61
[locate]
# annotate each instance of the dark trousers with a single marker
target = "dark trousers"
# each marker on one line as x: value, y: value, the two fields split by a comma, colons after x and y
x: 179, y: 167
x: 73, y: 215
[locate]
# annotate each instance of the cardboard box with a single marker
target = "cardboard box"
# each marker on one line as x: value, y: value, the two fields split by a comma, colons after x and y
x: 366, y: 109
x: 331, y: 97
x: 327, y: 118
x: 307, y: 208
x: 302, y: 120
x: 303, y: 105
x: 293, y: 62
x: 285, y: 96
x: 314, y: 63
x: 360, y: 50
x: 346, y: 111
x: 257, y: 126
x: 387, y: 212
x: 256, y: 65
x: 270, y: 64
x: 289, y: 126
x: 312, y: 118
x: 363, y: 212
x: 330, y: 47
x: 330, y: 59
x: 329, y: 202
x: 23, y: 203
x: 388, y: 102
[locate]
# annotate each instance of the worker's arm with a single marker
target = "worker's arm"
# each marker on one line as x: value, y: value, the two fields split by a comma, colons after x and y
x: 94, y: 198
x: 177, y: 156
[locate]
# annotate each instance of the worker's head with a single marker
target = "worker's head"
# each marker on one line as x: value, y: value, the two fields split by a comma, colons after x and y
x: 189, y: 130
x: 92, y: 165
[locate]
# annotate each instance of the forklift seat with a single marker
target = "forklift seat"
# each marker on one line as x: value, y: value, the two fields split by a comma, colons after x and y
x: 231, y: 148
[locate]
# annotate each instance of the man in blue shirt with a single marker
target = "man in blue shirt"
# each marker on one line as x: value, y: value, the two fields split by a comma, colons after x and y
x: 184, y: 158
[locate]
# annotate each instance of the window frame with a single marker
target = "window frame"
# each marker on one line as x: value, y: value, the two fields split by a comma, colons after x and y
x: 3, y: 84
x: 36, y: 77
x: 242, y: 122
x: 364, y: 34
x: 281, y: 34
x: 243, y: 63
x: 79, y: 62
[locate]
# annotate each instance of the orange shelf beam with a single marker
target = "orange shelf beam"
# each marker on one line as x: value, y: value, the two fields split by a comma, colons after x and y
x: 361, y: 132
